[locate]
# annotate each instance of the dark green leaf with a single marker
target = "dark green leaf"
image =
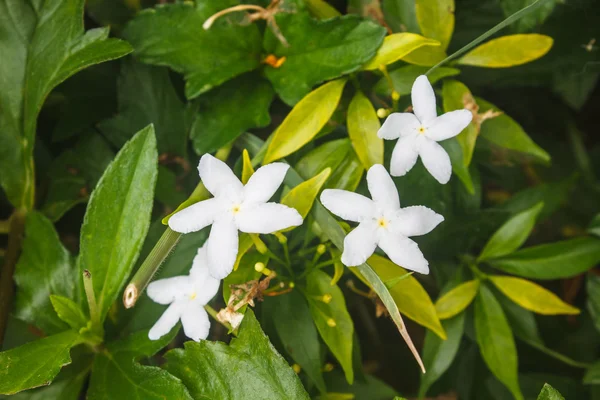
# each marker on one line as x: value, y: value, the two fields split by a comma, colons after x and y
x: 36, y: 363
x: 404, y: 77
x: 593, y: 298
x: 112, y: 13
x: 318, y: 51
x: 248, y: 367
x: 172, y: 35
x: 549, y: 393
x: 45, y: 268
x: 552, y: 260
x: 531, y: 21
x: 592, y: 375
x: 401, y: 15
x: 69, y: 311
x: 118, y: 216
x: 369, y: 388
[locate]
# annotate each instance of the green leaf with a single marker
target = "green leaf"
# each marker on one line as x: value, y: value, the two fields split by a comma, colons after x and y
x: 43, y: 48
x: 549, y: 393
x: 303, y: 196
x: 118, y: 216
x: 508, y: 51
x: 401, y: 15
x: 592, y: 375
x: 456, y: 97
x: 410, y: 297
x: 426, y: 56
x: 331, y: 318
x: 172, y: 35
x: 363, y: 125
x: 438, y: 354
x: 436, y: 19
x: 457, y: 299
x: 403, y: 78
x: 318, y: 51
x: 69, y: 311
x: 505, y: 132
x: 44, y: 268
x: 552, y: 260
x: 36, y: 363
x: 147, y: 96
x: 75, y: 173
x: 396, y: 46
x: 495, y: 340
x: 456, y: 154
x: 305, y: 120
x: 249, y: 365
x: 512, y: 234
x: 321, y: 9
x: 531, y: 296
x: 296, y: 330
x: 118, y: 375
x: 530, y: 21
x: 229, y: 110
x: 593, y: 298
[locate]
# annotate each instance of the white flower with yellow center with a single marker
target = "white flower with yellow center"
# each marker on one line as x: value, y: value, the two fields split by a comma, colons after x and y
x: 234, y: 207
x: 187, y: 296
x: 381, y: 222
x: 418, y: 133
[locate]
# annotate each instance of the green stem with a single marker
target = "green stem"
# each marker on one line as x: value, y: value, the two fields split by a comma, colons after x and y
x: 88, y: 285
x: 7, y: 289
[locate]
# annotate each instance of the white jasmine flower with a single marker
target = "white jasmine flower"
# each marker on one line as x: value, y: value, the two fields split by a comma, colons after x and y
x: 187, y: 296
x: 418, y: 133
x: 234, y: 207
x: 381, y: 222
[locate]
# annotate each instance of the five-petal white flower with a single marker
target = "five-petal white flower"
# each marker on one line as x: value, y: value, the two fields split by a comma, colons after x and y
x: 419, y: 132
x: 187, y: 296
x: 381, y: 222
x: 235, y: 207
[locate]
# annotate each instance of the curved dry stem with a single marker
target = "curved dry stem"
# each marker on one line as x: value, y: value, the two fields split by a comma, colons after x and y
x: 242, y: 7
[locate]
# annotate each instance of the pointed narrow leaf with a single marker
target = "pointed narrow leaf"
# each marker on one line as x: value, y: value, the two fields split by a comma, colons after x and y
x: 363, y: 125
x: 247, y: 169
x: 305, y: 120
x: 118, y: 217
x: 436, y: 19
x: 457, y: 299
x: 549, y: 393
x: 495, y: 340
x: 303, y: 196
x: 457, y: 97
x: 69, y: 311
x: 508, y: 51
x: 512, y: 234
x: 397, y: 46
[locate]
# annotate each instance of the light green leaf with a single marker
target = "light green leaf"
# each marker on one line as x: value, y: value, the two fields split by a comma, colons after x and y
x: 36, y: 363
x: 505, y: 132
x: 508, y: 51
x: 46, y: 46
x: 425, y: 56
x: 305, y: 120
x: 318, y: 51
x: 531, y: 296
x: 552, y: 260
x: 457, y: 97
x: 331, y: 318
x: 436, y: 19
x: 238, y: 371
x: 321, y: 9
x: 172, y: 35
x: 512, y: 234
x: 403, y: 78
x: 410, y: 297
x: 118, y: 217
x: 457, y: 299
x: 396, y: 46
x: 44, y: 268
x: 495, y: 340
x: 303, y: 196
x: 549, y: 393
x: 363, y: 125
x: 69, y: 311
x: 247, y: 168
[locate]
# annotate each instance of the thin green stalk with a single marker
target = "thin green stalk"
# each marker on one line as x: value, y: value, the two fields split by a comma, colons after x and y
x: 88, y: 286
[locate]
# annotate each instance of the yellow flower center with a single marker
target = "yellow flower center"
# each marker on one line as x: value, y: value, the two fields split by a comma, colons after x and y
x: 422, y: 130
x: 382, y: 222
x: 235, y: 209
x: 193, y: 296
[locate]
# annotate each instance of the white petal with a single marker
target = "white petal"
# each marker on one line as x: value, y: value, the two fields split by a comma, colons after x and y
x: 195, y: 322
x: 404, y: 156
x: 359, y: 244
x: 199, y: 270
x: 267, y: 218
x: 348, y: 205
x: 382, y: 188
x: 222, y: 247
x: 415, y: 221
x: 448, y: 125
x: 263, y: 184
x: 398, y: 124
x: 436, y: 160
x: 165, y: 291
x: 423, y: 100
x: 404, y: 252
x: 204, y: 286
x: 218, y: 178
x: 196, y: 216
x: 166, y: 322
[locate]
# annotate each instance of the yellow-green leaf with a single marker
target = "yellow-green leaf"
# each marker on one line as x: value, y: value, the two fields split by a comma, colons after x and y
x: 303, y: 196
x: 456, y: 300
x: 245, y: 244
x: 305, y: 120
x: 436, y: 19
x: 456, y: 97
x: 408, y: 294
x: 532, y: 296
x: 426, y: 56
x: 508, y: 51
x: 363, y: 125
x: 247, y: 169
x: 396, y: 46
